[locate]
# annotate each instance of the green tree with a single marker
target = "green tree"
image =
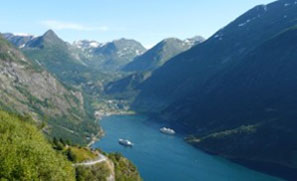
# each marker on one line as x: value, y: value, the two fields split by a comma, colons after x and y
x: 98, y: 172
x: 26, y: 155
x: 70, y: 155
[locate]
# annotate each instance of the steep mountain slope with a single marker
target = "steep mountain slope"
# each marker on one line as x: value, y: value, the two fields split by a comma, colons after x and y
x: 26, y: 155
x: 27, y: 88
x: 254, y: 105
x: 236, y: 92
x: 112, y: 55
x: 71, y: 64
x: 161, y: 53
x: 143, y: 66
x: 187, y: 72
x: 57, y: 56
x: 127, y: 87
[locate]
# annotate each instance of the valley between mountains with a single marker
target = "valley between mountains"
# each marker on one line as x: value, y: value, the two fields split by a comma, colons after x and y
x: 233, y: 95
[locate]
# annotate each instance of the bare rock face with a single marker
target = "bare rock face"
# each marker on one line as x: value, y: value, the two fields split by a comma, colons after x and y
x: 27, y: 88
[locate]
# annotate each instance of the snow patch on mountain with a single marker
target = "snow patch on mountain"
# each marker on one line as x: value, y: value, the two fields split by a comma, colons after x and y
x: 190, y: 42
x: 22, y: 34
x: 86, y: 44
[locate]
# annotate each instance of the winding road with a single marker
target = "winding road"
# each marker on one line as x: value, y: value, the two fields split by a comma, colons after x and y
x: 101, y: 158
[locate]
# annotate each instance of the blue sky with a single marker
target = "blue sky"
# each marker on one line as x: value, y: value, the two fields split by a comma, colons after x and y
x: 147, y: 21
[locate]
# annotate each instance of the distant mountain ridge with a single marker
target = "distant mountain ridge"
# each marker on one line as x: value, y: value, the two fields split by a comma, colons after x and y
x: 143, y: 66
x: 108, y: 56
x: 111, y: 55
x: 224, y: 48
x: 19, y: 40
x: 161, y: 53
x: 49, y: 38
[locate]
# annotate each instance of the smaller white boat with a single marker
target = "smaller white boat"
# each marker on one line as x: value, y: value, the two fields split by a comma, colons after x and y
x: 167, y: 131
x: 125, y: 142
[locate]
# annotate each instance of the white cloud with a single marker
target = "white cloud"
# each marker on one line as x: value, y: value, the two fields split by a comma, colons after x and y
x: 59, y: 25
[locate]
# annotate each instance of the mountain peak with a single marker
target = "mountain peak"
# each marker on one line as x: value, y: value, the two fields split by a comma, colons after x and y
x: 124, y: 40
x: 161, y: 53
x: 167, y: 40
x: 121, y: 39
x: 49, y: 38
x: 194, y: 40
x: 50, y: 33
x: 197, y: 38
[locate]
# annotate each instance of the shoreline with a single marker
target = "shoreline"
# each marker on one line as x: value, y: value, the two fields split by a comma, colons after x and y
x: 95, y: 138
x: 272, y: 169
x: 100, y: 115
x: 131, y: 128
x: 265, y: 168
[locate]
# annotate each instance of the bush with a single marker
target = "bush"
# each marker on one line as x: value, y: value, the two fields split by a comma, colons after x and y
x: 98, y: 172
x: 26, y: 155
x: 124, y: 169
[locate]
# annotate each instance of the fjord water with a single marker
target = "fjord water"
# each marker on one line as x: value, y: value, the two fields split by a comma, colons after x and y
x: 165, y: 157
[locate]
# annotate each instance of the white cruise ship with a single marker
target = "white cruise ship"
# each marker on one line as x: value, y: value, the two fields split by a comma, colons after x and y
x: 167, y: 131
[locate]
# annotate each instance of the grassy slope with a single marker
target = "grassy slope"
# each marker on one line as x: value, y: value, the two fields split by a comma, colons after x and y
x: 26, y: 155
x: 124, y: 169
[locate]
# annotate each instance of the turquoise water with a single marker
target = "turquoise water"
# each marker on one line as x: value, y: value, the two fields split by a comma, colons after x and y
x: 162, y: 157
